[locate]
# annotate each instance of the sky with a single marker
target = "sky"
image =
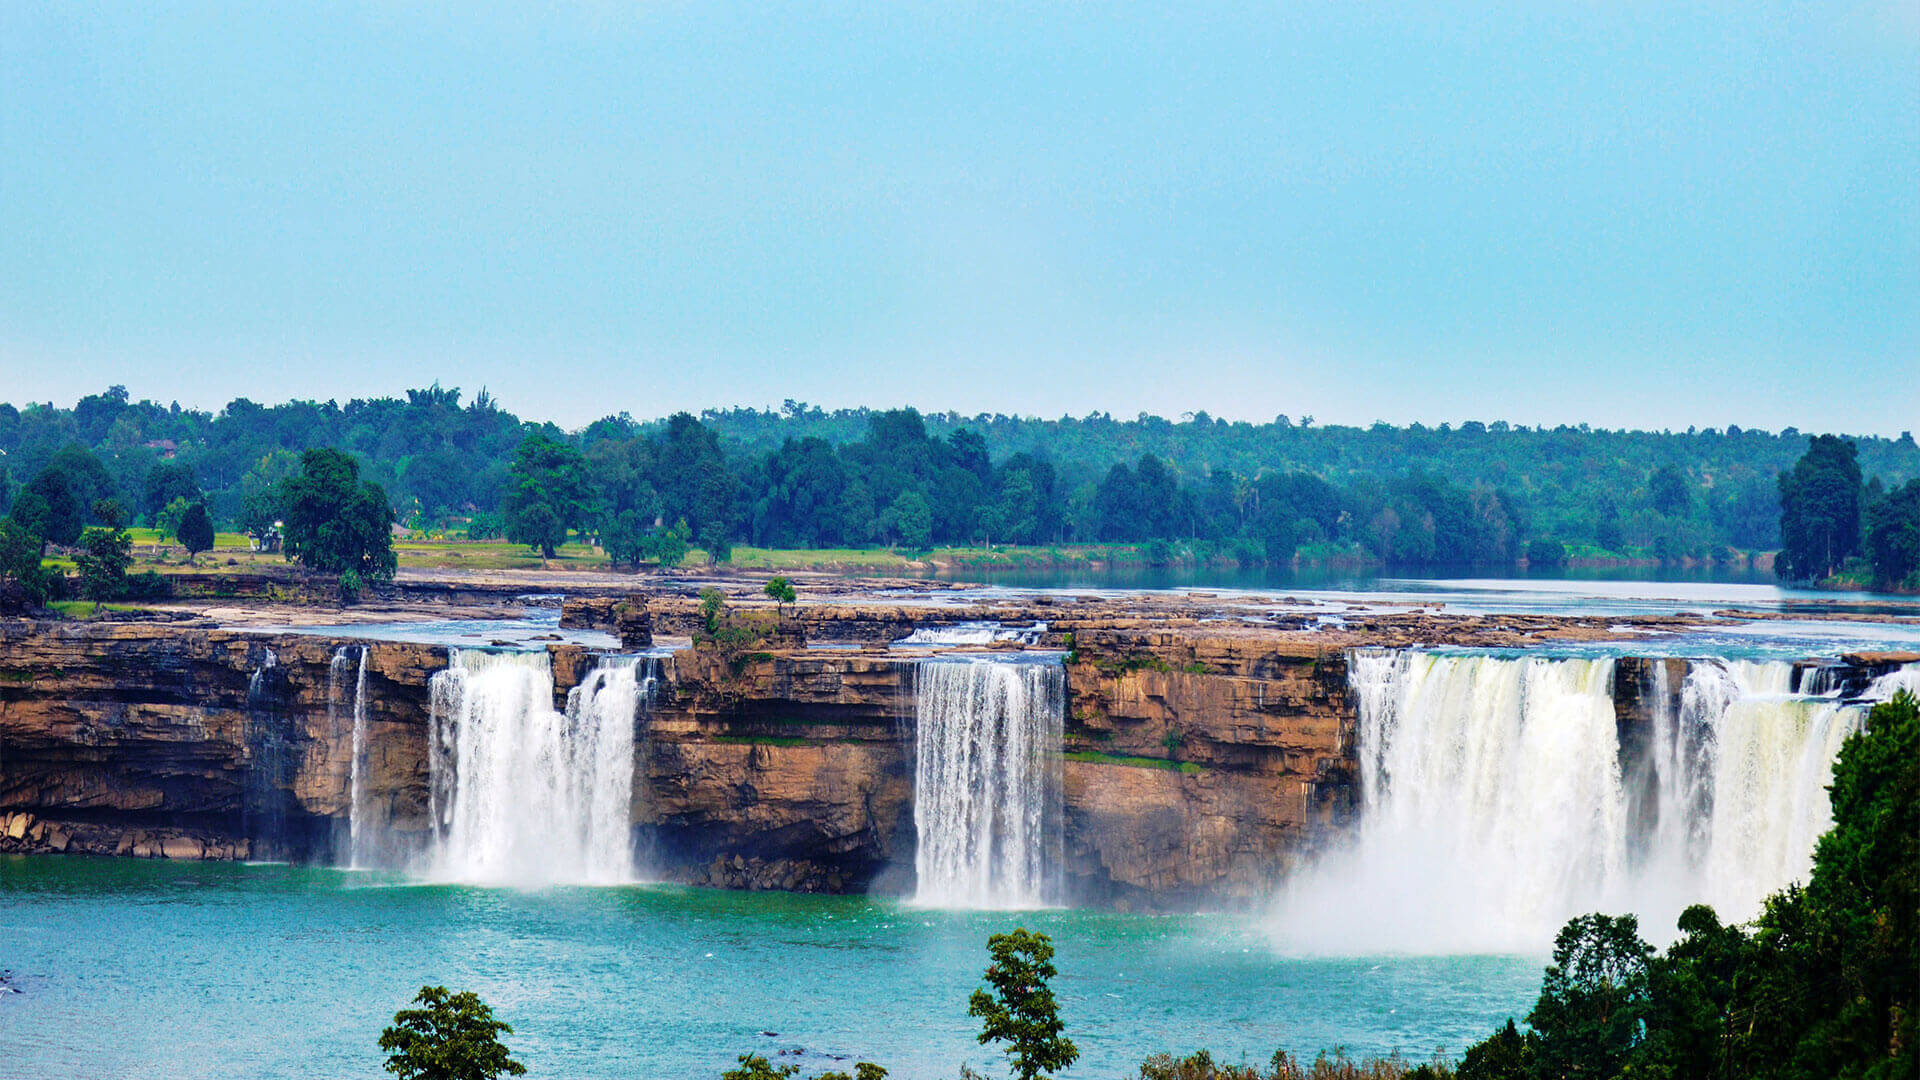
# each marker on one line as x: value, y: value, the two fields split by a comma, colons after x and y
x: 1623, y: 214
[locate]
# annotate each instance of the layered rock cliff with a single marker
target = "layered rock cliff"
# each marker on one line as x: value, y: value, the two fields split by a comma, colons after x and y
x: 1203, y: 762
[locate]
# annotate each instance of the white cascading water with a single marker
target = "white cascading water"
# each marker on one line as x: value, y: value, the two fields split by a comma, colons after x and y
x: 987, y: 782
x: 1766, y: 762
x: 359, y: 853
x: 1492, y: 805
x: 522, y: 793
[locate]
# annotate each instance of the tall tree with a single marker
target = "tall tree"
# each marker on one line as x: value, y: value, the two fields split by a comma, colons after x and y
x: 1017, y: 1006
x: 196, y: 530
x: 335, y: 521
x: 550, y: 493
x: 1820, y: 509
x: 1591, y: 1000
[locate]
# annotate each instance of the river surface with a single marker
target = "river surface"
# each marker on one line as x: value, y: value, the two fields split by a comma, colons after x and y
x: 178, y: 970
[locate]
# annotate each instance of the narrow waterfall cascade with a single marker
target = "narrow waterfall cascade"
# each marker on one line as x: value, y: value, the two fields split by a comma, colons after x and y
x: 987, y: 782
x: 522, y: 793
x: 360, y: 848
x: 263, y: 807
x: 1494, y: 802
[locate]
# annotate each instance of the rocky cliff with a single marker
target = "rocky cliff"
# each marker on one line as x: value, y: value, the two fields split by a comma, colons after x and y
x: 1203, y: 761
x: 150, y: 738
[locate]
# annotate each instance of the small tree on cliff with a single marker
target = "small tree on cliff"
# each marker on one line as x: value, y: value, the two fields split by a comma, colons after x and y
x: 1020, y: 1010
x: 454, y: 1037
x: 780, y: 591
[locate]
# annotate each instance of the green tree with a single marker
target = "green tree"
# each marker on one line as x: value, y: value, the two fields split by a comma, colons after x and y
x: 1545, y: 554
x: 780, y: 591
x: 670, y: 545
x: 911, y: 519
x: 103, y: 560
x: 452, y: 1037
x: 167, y: 481
x: 1592, y: 998
x: 336, y: 521
x: 167, y: 521
x: 1893, y: 536
x: 1017, y: 1007
x: 755, y: 1067
x: 1864, y: 895
x: 196, y: 530
x: 50, y: 509
x: 1819, y: 510
x: 1505, y: 1055
x: 1667, y: 489
x: 549, y: 493
x: 24, y: 582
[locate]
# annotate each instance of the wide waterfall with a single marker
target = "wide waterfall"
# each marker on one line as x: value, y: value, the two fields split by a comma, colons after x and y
x: 987, y: 782
x: 1495, y: 803
x: 523, y: 793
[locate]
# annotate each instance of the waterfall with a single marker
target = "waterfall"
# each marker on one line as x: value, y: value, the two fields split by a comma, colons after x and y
x: 263, y: 807
x: 1493, y: 805
x: 521, y: 793
x: 987, y: 782
x: 359, y: 853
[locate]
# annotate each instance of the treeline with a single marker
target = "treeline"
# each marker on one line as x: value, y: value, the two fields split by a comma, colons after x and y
x: 1834, y: 527
x: 1477, y: 494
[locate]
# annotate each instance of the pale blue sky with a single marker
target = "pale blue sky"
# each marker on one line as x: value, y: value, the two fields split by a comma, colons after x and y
x: 1614, y: 213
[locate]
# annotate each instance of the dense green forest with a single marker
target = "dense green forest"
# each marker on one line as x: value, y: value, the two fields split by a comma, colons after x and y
x: 1479, y: 494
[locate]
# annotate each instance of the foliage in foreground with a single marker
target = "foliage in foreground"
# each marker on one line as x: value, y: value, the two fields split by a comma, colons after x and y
x: 755, y: 1067
x: 1017, y: 1007
x: 1283, y: 1066
x: 452, y: 1037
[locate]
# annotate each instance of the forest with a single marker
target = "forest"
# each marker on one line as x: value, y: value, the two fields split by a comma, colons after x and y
x: 1473, y: 495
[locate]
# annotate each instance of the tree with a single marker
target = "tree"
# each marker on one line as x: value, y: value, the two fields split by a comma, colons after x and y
x: 1016, y: 1006
x: 780, y: 591
x: 167, y: 521
x: 336, y: 521
x: 454, y: 1037
x: 1819, y: 510
x: 49, y: 509
x: 1667, y: 488
x: 911, y: 519
x: 1591, y: 1000
x: 1864, y: 896
x: 1893, y: 535
x: 106, y: 553
x: 1505, y: 1055
x: 196, y: 530
x: 24, y: 583
x: 167, y: 481
x: 1545, y: 554
x: 755, y: 1067
x: 549, y: 494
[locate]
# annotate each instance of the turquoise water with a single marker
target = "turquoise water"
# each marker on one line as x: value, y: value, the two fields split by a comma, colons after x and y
x: 175, y: 970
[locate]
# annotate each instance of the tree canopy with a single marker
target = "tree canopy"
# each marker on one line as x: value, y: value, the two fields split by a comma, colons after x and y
x: 450, y: 1037
x: 335, y: 521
